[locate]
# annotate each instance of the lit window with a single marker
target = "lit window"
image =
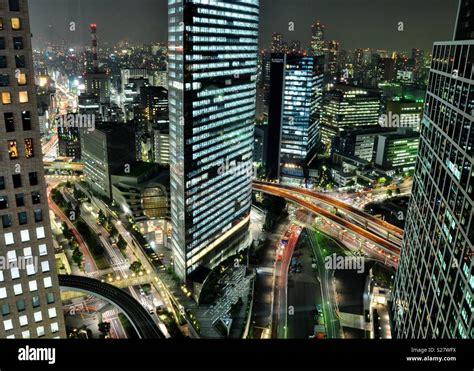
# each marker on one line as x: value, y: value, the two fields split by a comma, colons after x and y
x: 16, y: 23
x: 3, y: 292
x: 23, y: 320
x: 27, y: 252
x: 40, y: 331
x: 54, y: 327
x: 12, y: 150
x: 25, y: 235
x: 33, y: 286
x: 6, y: 97
x: 17, y: 289
x: 25, y: 334
x: 15, y: 273
x: 40, y: 233
x: 2, y: 278
x: 43, y: 250
x: 38, y: 316
x: 52, y: 312
x: 21, y: 78
x: 8, y: 325
x: 47, y: 282
x: 23, y: 96
x: 45, y: 266
x: 30, y: 269
x: 29, y: 148
x: 9, y: 240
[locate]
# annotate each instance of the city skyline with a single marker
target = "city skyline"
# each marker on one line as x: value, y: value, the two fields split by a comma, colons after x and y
x: 148, y: 23
x: 198, y: 186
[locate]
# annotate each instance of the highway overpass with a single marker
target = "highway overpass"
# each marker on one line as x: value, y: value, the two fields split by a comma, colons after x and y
x: 138, y: 316
x: 296, y: 196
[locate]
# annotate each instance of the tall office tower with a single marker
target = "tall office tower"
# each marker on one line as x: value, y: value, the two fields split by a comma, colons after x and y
x: 30, y: 302
x: 348, y: 106
x: 213, y: 55
x: 332, y: 49
x: 294, y: 108
x: 317, y: 39
x: 433, y: 293
x: 277, y: 43
x: 465, y: 22
x: 418, y: 57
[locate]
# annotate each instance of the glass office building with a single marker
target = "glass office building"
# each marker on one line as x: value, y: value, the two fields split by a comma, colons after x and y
x: 433, y: 295
x: 213, y: 54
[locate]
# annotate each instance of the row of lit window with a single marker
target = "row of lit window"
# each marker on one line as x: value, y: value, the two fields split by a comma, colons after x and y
x: 7, y: 97
x: 15, y: 24
x: 13, y: 149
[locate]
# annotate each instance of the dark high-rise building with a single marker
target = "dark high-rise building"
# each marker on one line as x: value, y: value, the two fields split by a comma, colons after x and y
x: 30, y: 301
x: 433, y: 293
x: 69, y: 142
x: 465, y: 22
x: 332, y: 50
x: 103, y: 154
x: 154, y: 102
x: 212, y: 95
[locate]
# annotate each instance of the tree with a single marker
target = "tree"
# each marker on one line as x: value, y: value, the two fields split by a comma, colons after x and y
x: 104, y: 329
x: 136, y: 266
x: 398, y: 191
x: 102, y: 219
x: 122, y: 244
x: 389, y: 192
x: 113, y: 230
x: 77, y: 257
x: 66, y: 231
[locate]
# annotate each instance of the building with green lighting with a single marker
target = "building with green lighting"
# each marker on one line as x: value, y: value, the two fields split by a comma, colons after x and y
x: 397, y: 151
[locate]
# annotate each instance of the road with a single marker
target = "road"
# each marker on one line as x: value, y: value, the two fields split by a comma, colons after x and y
x: 329, y: 304
x: 282, y: 265
x: 378, y: 226
x: 391, y: 249
x: 89, y: 263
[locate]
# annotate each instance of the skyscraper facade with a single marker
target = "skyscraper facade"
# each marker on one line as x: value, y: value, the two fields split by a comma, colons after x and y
x: 293, y: 113
x: 301, y: 107
x: 348, y: 106
x: 213, y: 55
x: 433, y: 295
x: 30, y: 302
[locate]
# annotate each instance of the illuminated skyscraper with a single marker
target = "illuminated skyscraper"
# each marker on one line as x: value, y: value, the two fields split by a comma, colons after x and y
x: 317, y: 39
x: 348, y: 106
x: 294, y: 111
x: 213, y: 55
x: 30, y: 303
x: 433, y: 295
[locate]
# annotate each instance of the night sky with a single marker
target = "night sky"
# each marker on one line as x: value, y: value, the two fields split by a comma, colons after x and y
x: 354, y: 23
